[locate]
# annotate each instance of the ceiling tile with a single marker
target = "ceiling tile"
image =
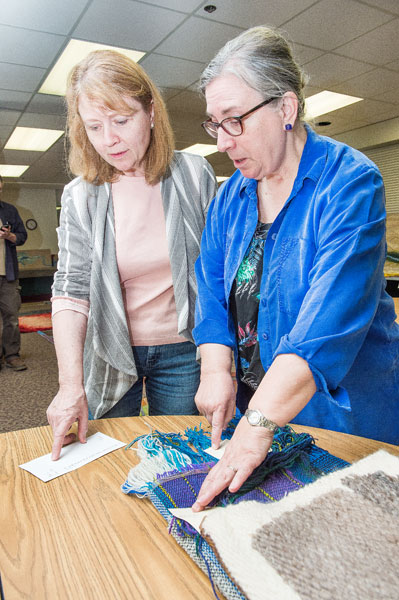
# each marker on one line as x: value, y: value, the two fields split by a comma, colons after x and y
x: 194, y: 87
x: 20, y: 78
x: 47, y: 104
x: 40, y: 120
x: 377, y: 47
x: 42, y: 15
x: 329, y: 70
x: 14, y: 100
x: 364, y: 111
x: 126, y: 23
x: 188, y: 40
x: 369, y: 84
x: 189, y: 102
x: 389, y: 5
x: 9, y: 117
x: 338, y: 127
x: 258, y: 12
x: 5, y: 132
x: 49, y: 166
x: 317, y: 26
x: 18, y: 157
x: 367, y: 109
x: 171, y: 72
x: 304, y: 54
x: 30, y: 48
x: 187, y: 129
x: 389, y: 113
x: 187, y: 6
x: 168, y: 93
x: 364, y: 29
x: 392, y: 96
x: 310, y: 90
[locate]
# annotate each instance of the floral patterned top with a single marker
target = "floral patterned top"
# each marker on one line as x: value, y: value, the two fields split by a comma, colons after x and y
x: 244, y: 302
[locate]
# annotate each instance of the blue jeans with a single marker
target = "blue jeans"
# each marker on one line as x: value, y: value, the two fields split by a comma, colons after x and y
x: 171, y: 375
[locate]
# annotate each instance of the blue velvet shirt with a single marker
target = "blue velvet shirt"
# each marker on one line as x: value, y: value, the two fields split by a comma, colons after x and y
x: 322, y: 291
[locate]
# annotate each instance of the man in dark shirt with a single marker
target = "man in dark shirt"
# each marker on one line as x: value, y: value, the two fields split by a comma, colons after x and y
x: 12, y: 234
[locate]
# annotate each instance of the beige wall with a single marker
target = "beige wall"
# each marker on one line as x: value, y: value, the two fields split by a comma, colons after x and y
x: 37, y: 203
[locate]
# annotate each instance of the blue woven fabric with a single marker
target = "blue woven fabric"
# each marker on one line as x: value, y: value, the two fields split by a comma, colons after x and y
x: 297, y: 460
x: 206, y: 560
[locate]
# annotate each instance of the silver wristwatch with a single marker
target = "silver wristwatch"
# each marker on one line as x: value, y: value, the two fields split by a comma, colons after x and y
x: 256, y: 419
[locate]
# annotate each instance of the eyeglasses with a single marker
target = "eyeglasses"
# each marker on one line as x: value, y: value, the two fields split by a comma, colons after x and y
x: 231, y: 125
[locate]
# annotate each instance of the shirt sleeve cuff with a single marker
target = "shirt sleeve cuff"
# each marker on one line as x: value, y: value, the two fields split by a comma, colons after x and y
x: 61, y: 303
x: 211, y: 332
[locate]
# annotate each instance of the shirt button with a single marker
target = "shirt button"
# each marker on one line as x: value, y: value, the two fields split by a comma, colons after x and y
x: 265, y: 336
x: 264, y: 302
x: 274, y: 235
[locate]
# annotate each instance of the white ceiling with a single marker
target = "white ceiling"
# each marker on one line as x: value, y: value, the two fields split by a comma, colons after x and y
x: 347, y: 46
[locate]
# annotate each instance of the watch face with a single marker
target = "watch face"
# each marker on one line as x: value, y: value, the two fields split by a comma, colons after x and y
x: 253, y: 418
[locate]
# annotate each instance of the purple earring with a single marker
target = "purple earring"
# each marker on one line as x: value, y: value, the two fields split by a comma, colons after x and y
x: 288, y: 127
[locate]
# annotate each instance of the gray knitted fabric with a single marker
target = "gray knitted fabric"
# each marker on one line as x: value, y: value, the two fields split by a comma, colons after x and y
x: 336, y: 538
x: 340, y: 546
x: 378, y: 488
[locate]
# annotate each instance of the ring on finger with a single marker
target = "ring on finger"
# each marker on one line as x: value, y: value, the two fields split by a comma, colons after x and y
x: 234, y: 469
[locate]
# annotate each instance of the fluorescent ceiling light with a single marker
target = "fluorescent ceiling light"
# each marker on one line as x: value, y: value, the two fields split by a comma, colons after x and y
x: 30, y: 138
x: 12, y: 170
x: 220, y: 179
x: 202, y: 149
x: 326, y: 102
x: 76, y: 51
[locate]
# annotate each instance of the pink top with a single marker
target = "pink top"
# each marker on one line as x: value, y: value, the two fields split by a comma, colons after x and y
x: 143, y: 262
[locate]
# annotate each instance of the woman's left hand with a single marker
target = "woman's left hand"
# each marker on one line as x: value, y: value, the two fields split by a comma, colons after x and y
x: 246, y: 450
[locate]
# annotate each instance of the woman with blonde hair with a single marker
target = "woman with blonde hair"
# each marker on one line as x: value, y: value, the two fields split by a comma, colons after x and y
x: 129, y: 235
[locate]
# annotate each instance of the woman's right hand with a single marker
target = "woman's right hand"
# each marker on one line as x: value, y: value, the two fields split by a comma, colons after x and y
x: 216, y: 396
x: 216, y: 400
x: 68, y: 406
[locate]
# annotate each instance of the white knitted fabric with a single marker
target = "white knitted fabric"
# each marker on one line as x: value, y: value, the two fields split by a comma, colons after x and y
x: 242, y: 535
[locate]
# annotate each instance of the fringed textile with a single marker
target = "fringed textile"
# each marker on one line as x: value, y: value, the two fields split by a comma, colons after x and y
x: 173, y: 467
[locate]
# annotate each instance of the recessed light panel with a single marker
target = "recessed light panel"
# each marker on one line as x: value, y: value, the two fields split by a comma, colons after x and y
x: 202, y: 149
x: 31, y: 138
x: 325, y: 102
x: 12, y: 170
x: 76, y: 50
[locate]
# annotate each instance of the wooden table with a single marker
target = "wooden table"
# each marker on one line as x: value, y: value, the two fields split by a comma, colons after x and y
x: 78, y: 536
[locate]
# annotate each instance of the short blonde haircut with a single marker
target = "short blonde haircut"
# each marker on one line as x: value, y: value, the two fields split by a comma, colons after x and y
x: 109, y: 78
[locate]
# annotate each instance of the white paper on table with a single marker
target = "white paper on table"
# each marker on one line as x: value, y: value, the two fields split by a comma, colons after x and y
x: 72, y: 457
x: 220, y: 451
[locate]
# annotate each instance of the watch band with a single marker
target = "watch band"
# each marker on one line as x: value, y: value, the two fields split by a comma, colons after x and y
x: 256, y: 419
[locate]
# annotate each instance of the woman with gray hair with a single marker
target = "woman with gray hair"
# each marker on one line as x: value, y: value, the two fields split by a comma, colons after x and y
x: 290, y: 274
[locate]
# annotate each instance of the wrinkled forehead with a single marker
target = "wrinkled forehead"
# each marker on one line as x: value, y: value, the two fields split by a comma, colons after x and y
x: 227, y: 94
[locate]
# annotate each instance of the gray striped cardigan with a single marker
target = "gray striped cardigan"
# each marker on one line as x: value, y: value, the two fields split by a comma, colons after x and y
x: 87, y: 269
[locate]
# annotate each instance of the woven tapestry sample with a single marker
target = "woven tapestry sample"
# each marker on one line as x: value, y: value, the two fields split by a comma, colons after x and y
x: 294, y: 461
x: 336, y: 538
